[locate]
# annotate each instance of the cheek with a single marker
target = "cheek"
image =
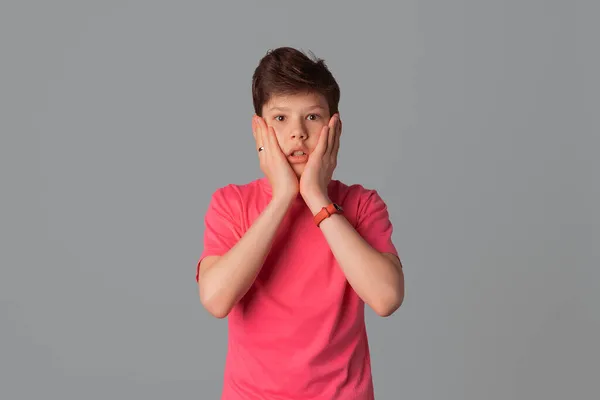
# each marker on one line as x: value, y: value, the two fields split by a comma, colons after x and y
x: 278, y: 133
x: 280, y: 136
x: 314, y: 135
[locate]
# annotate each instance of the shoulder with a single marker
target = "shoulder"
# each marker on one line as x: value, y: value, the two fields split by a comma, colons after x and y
x: 355, y: 194
x: 238, y: 190
x: 360, y: 203
x: 235, y: 196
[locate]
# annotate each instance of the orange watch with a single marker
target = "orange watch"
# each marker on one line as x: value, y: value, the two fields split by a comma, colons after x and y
x: 327, y: 212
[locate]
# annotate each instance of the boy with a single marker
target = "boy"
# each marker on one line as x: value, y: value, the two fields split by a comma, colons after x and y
x: 292, y: 258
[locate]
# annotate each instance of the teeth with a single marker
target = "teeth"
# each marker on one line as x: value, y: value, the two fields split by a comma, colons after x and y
x: 298, y: 153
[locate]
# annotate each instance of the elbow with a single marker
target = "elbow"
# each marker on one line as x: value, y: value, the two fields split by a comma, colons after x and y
x: 386, y: 306
x: 390, y: 296
x: 217, y: 311
x: 215, y: 306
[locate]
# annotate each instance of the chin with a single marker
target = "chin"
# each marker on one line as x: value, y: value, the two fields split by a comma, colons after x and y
x: 298, y: 169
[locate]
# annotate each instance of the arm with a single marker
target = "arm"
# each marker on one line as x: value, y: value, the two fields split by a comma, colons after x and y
x: 376, y: 277
x: 366, y: 254
x: 224, y: 280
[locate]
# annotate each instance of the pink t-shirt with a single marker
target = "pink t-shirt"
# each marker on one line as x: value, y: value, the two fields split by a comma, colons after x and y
x: 299, y: 332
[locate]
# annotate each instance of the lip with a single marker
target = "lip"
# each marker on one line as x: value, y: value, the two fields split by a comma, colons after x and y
x: 298, y: 159
x: 301, y: 148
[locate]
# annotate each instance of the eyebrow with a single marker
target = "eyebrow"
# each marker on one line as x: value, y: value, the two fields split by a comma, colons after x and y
x: 314, y: 107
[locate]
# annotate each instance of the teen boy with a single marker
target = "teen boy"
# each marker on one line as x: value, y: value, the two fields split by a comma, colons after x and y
x: 291, y: 258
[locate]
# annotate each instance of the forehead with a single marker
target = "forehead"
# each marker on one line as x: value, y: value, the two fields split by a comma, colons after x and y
x: 298, y: 102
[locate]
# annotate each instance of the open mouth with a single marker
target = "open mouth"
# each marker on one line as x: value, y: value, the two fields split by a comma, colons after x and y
x: 298, y: 157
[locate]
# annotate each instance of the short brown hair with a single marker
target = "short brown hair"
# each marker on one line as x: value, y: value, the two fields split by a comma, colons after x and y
x: 286, y: 71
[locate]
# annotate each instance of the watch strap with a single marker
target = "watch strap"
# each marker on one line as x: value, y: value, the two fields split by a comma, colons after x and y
x: 327, y: 212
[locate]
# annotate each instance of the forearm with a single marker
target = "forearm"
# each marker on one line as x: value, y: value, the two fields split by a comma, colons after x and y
x: 376, y: 279
x: 225, y: 282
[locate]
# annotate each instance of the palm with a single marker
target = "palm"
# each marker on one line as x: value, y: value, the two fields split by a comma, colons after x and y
x: 273, y: 162
x: 323, y: 160
x: 310, y: 175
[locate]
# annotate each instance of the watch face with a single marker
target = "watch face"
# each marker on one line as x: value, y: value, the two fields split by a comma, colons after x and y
x: 338, y: 207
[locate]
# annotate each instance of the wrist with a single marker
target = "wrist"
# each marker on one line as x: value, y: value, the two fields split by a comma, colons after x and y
x: 282, y: 201
x: 316, y: 202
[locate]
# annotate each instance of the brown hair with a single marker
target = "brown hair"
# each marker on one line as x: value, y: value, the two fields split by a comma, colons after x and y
x: 286, y: 71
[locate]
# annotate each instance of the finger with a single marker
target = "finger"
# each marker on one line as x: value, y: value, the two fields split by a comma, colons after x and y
x: 260, y: 127
x: 254, y: 133
x: 330, y: 133
x: 336, y: 143
x: 273, y: 142
x: 333, y: 128
x: 321, y: 146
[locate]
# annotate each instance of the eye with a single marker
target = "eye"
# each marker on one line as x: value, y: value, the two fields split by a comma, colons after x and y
x: 279, y: 118
x: 313, y: 117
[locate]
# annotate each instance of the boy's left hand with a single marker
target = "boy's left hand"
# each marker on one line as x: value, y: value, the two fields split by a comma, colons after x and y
x: 321, y: 163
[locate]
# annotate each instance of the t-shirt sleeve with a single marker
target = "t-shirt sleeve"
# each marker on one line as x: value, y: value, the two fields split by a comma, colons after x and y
x: 374, y: 224
x: 222, y: 229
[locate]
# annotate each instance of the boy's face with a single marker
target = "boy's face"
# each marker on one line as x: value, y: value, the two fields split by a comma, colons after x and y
x: 297, y: 120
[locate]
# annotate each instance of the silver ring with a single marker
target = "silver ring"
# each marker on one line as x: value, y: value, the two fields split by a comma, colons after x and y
x: 261, y: 148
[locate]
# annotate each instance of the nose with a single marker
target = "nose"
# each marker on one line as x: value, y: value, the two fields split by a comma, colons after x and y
x: 298, y: 131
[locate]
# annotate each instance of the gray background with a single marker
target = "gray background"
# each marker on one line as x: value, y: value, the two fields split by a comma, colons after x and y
x: 476, y: 120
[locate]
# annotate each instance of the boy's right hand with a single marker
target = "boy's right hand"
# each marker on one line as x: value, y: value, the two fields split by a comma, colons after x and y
x: 273, y: 162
